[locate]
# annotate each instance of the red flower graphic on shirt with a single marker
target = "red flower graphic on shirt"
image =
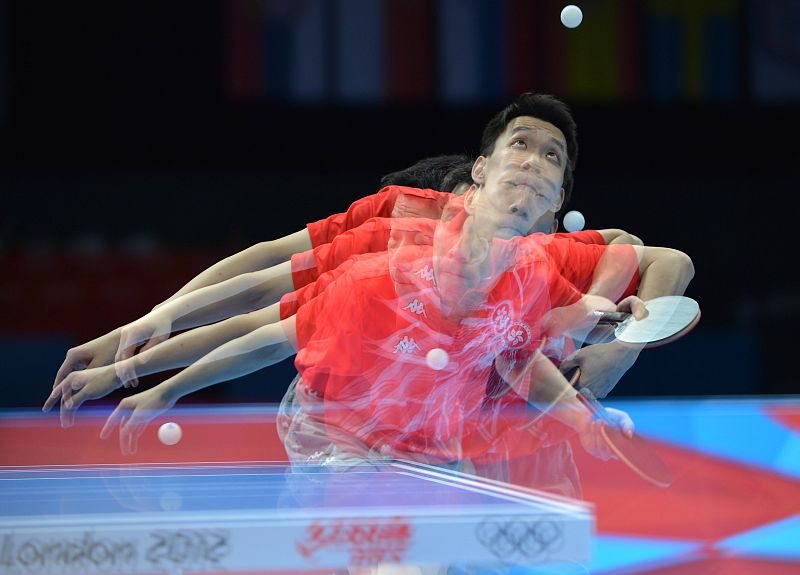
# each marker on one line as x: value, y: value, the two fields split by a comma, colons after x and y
x: 518, y: 335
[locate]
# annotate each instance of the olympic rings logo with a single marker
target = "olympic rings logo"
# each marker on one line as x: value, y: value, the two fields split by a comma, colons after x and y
x: 531, y: 539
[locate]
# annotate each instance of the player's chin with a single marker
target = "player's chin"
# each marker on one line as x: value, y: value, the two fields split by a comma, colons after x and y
x: 506, y: 233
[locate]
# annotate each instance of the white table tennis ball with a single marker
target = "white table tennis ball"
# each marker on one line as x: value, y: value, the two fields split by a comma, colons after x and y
x: 571, y: 16
x: 170, y: 433
x: 574, y: 221
x: 437, y: 358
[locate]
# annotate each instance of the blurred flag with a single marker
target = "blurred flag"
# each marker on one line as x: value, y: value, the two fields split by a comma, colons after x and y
x: 482, y: 51
x: 693, y: 50
x: 331, y: 50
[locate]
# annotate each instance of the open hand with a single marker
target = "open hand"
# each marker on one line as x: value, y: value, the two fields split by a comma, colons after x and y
x: 132, y: 416
x: 79, y: 386
x: 150, y: 330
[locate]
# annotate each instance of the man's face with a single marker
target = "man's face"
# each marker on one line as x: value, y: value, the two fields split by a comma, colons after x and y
x: 458, y: 254
x: 520, y: 181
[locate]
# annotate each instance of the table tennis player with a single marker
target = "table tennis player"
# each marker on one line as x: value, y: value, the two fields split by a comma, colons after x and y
x: 497, y: 209
x: 258, y: 290
x: 421, y: 200
x: 447, y: 172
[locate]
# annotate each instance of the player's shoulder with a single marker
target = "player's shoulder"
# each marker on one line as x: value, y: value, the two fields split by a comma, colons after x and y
x: 554, y: 249
x: 419, y: 203
x: 368, y: 266
x: 563, y: 242
x: 414, y: 192
x: 591, y: 237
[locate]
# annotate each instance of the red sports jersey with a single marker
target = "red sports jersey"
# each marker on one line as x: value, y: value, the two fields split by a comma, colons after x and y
x: 315, y: 269
x: 390, y: 202
x: 363, y: 342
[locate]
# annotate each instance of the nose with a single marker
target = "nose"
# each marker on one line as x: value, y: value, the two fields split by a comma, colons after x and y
x: 520, y: 209
x: 519, y: 203
x: 531, y: 163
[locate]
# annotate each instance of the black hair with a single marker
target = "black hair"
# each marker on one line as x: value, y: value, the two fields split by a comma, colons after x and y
x: 544, y: 107
x: 426, y: 173
x: 461, y: 174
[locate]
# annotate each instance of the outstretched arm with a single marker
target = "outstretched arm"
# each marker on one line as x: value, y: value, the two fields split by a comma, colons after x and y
x: 550, y: 391
x: 261, y: 256
x: 617, y: 236
x: 242, y: 294
x: 662, y: 271
x: 102, y: 350
x: 180, y: 351
x: 260, y: 348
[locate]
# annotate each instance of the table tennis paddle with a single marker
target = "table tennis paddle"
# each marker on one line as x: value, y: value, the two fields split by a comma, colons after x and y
x: 633, y: 451
x: 669, y: 318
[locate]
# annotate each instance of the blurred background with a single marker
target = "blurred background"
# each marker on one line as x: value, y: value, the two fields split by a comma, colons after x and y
x: 142, y: 142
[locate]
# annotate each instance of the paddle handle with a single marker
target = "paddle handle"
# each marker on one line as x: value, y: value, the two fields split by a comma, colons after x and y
x: 610, y: 317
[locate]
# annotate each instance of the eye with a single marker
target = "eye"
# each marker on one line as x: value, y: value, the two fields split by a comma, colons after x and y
x: 555, y: 156
x: 518, y: 143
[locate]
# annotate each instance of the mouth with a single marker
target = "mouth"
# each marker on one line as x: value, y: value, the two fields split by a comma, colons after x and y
x: 532, y: 183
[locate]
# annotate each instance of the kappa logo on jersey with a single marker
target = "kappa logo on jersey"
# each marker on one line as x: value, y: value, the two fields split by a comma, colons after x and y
x: 501, y: 317
x: 518, y: 335
x: 426, y: 273
x: 416, y: 307
x: 406, y: 345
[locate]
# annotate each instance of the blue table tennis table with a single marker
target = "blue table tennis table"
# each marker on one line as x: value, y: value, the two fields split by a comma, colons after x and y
x: 255, y: 517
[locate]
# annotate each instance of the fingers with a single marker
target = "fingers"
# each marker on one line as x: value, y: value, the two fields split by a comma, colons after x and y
x: 130, y: 338
x: 76, y: 401
x: 52, y: 398
x: 116, y: 418
x: 622, y: 420
x: 126, y: 372
x: 74, y: 361
x: 572, y: 371
x: 66, y: 414
x: 130, y: 383
x: 627, y: 430
x: 132, y: 419
x: 594, y: 442
x: 626, y: 426
x: 71, y: 401
x: 129, y: 433
x: 126, y: 345
x: 64, y: 391
x: 635, y: 306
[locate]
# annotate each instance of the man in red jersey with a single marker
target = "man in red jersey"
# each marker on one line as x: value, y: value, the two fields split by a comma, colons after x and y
x: 256, y: 263
x: 517, y: 183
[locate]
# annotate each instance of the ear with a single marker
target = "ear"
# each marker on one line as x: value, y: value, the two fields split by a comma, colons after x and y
x: 559, y: 202
x: 469, y: 198
x: 478, y: 170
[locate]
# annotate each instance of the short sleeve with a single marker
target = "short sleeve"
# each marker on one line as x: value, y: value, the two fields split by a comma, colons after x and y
x: 328, y: 331
x: 390, y: 202
x: 576, y: 262
x: 376, y: 205
x: 292, y: 302
x: 584, y: 237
